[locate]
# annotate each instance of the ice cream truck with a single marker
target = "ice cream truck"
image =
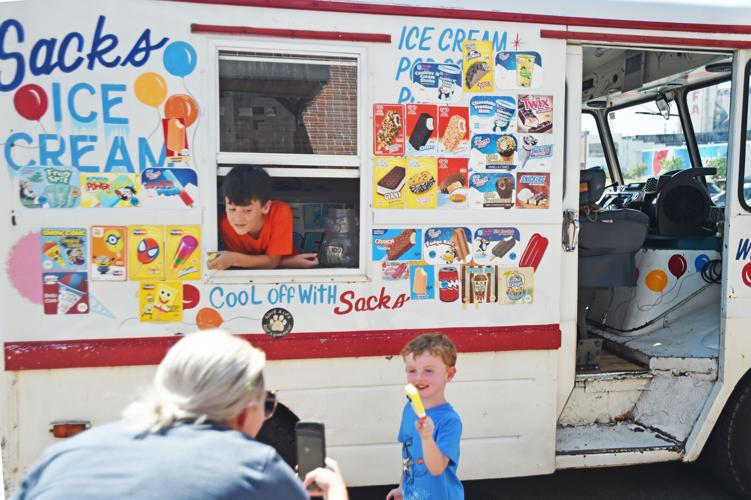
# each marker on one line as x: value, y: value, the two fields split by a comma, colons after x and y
x: 505, y: 174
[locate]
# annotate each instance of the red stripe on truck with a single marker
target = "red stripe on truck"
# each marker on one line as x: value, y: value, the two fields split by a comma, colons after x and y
x: 291, y: 33
x: 150, y: 351
x: 479, y: 15
x: 645, y: 40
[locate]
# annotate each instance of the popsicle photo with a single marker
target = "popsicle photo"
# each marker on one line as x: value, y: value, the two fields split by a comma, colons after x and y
x: 183, y: 252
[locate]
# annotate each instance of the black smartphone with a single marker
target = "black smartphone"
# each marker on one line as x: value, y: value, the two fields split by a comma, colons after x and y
x: 311, y: 447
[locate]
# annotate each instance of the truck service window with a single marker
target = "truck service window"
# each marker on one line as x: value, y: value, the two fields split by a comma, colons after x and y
x: 297, y: 116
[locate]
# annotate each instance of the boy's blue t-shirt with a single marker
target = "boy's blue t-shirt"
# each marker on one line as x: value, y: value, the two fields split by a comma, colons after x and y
x: 417, y: 482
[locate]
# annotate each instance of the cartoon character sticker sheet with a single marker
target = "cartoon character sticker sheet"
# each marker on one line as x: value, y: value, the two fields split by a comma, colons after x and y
x: 108, y: 253
x: 169, y: 187
x: 63, y: 249
x: 436, y: 82
x: 160, y: 301
x: 453, y: 183
x: 397, y: 244
x: 146, y: 252
x: 183, y: 247
x: 388, y: 127
x: 534, y: 114
x: 421, y: 132
x: 422, y: 191
x: 518, y: 70
x: 492, y: 114
x: 108, y: 190
x: 491, y: 190
x: 477, y: 58
x: 48, y: 187
x: 496, y: 245
x: 533, y: 190
x: 453, y: 131
x: 389, y: 179
x: 65, y: 292
x: 447, y: 245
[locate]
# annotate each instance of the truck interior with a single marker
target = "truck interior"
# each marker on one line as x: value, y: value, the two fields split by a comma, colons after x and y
x: 654, y: 140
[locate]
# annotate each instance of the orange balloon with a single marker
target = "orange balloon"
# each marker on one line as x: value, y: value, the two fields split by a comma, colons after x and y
x: 181, y: 106
x: 208, y: 318
x: 656, y: 280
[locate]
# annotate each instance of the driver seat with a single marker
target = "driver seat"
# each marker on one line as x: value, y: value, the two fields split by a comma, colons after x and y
x: 608, y: 239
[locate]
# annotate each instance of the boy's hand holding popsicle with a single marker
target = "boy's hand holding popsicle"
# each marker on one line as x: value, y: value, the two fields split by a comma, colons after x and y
x: 424, y: 424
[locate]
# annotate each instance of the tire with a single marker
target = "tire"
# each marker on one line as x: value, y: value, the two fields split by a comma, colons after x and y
x: 729, y: 446
x: 279, y: 432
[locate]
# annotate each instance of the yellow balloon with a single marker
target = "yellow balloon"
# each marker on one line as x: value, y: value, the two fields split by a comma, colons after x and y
x: 150, y: 89
x: 656, y: 280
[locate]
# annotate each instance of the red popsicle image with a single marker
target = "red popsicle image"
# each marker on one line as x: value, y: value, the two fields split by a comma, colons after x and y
x: 535, y: 250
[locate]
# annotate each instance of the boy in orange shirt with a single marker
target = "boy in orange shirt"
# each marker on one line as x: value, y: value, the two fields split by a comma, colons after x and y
x: 256, y: 230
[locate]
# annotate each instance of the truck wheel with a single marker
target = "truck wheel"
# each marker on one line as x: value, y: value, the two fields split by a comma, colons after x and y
x: 729, y: 445
x: 279, y: 432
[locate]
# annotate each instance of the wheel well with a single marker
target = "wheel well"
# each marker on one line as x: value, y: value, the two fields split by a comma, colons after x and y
x: 279, y: 432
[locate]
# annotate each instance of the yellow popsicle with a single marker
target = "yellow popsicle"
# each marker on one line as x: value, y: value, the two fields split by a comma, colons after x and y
x: 414, y: 398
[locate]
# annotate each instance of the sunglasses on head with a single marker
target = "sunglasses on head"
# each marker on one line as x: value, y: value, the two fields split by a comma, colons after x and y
x: 269, y: 404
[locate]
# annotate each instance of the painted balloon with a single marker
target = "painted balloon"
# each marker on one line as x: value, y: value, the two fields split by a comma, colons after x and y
x: 208, y: 318
x: 150, y: 89
x: 191, y: 296
x: 746, y: 274
x: 180, y: 58
x: 656, y: 280
x: 147, y: 250
x: 30, y: 101
x: 677, y: 265
x: 181, y: 106
x: 700, y: 262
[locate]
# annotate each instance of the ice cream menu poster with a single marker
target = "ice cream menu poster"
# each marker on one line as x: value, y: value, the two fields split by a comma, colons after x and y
x: 471, y: 133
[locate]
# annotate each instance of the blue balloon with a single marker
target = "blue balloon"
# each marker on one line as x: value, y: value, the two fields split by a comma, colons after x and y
x: 180, y: 58
x: 700, y: 262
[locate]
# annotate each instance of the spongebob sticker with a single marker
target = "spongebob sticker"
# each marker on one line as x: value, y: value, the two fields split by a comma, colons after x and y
x: 161, y: 301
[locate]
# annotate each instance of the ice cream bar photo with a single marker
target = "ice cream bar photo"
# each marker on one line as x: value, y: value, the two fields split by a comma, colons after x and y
x: 502, y: 247
x: 175, y: 136
x: 187, y: 199
x: 392, y: 181
x: 414, y: 398
x: 185, y: 249
x: 420, y: 283
x: 535, y: 250
x: 459, y: 241
x: 401, y: 243
x: 422, y: 131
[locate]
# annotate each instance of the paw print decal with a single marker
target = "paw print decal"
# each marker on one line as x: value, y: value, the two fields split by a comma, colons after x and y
x: 277, y: 322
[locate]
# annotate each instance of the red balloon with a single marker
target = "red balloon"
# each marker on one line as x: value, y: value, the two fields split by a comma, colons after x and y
x: 677, y: 265
x: 30, y: 101
x: 191, y: 296
x: 746, y: 274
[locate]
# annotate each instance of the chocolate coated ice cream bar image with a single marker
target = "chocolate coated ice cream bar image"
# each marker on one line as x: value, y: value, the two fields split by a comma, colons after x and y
x: 475, y: 72
x: 392, y: 181
x: 502, y: 247
x: 402, y: 242
x: 422, y: 131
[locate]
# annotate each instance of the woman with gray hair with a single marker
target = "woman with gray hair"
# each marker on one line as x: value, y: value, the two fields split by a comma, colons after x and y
x: 190, y: 437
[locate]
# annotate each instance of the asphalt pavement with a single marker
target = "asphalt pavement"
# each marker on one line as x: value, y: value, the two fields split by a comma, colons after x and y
x: 665, y: 481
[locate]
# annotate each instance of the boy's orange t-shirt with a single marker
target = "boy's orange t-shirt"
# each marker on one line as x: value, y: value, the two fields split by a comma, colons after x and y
x: 275, y: 237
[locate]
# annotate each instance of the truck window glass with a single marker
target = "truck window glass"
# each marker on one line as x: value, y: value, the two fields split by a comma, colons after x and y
x: 646, y: 143
x: 593, y: 154
x: 709, y: 110
x: 745, y: 190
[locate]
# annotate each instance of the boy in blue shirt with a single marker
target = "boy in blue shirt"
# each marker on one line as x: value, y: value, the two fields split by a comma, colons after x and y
x: 430, y: 446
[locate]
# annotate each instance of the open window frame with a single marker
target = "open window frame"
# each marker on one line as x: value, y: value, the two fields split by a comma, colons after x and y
x: 287, y: 165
